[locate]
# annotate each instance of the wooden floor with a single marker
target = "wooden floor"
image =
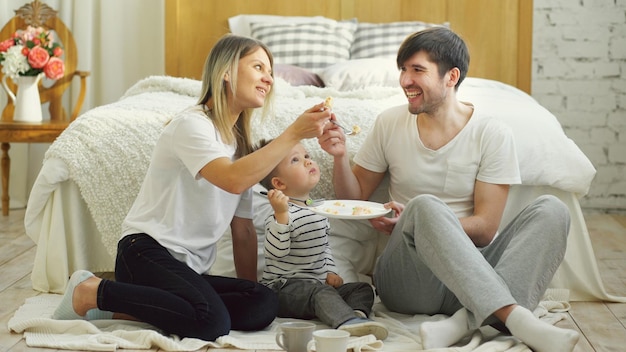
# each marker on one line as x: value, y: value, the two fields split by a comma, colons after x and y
x: 602, y: 325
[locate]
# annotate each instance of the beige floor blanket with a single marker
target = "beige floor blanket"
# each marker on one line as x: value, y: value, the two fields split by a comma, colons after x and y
x: 33, y: 320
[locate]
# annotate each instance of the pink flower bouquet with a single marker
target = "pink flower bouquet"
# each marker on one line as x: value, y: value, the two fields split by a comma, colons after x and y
x: 30, y: 52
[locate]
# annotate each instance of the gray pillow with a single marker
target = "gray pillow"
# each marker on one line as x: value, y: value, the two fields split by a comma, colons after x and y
x: 311, y: 46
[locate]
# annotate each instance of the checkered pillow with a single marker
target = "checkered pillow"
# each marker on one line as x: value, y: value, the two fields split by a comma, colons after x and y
x: 312, y: 45
x: 379, y: 40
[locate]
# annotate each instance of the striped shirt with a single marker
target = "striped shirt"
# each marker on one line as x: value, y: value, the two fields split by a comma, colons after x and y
x: 299, y: 249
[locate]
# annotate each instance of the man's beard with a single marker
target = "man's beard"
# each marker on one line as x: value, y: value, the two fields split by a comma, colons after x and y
x: 428, y: 107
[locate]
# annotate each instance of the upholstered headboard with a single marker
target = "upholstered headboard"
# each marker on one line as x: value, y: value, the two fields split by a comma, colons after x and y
x: 498, y: 32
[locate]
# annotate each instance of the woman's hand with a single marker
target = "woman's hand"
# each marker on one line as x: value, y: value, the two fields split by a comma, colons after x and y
x: 334, y: 280
x: 386, y: 224
x: 311, y: 123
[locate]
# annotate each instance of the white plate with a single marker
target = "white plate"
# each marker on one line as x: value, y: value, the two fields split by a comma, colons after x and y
x: 344, y: 209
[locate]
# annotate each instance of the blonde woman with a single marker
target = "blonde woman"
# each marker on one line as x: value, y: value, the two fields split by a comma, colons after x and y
x: 198, y: 183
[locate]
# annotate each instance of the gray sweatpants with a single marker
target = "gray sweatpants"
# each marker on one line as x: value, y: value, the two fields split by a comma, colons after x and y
x: 430, y: 265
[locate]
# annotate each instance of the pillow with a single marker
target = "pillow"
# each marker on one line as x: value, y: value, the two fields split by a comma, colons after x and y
x: 383, y: 39
x: 362, y: 73
x: 546, y: 155
x: 240, y: 24
x: 297, y: 76
x: 312, y: 45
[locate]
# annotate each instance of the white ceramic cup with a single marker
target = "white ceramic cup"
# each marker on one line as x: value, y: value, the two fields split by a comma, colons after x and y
x: 329, y: 340
x: 294, y: 336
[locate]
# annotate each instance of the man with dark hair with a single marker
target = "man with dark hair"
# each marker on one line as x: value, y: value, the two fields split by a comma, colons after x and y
x: 450, y: 167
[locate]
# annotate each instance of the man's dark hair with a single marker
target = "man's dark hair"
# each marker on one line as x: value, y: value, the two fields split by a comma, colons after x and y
x: 443, y: 47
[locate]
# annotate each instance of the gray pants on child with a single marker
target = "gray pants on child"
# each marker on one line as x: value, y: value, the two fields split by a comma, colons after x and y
x: 431, y: 266
x: 310, y: 299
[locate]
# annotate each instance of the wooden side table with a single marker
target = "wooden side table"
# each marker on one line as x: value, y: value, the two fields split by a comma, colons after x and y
x: 23, y: 132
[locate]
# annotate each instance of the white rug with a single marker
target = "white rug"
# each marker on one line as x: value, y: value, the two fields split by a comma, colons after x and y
x: 33, y: 320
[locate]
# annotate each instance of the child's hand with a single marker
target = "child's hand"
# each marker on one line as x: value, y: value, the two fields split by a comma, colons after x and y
x: 334, y: 280
x: 280, y: 204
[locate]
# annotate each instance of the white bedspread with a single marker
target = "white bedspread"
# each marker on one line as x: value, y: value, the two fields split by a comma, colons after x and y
x: 33, y: 320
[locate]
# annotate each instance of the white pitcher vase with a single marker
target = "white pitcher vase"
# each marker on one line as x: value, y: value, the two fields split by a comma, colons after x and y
x: 27, y: 102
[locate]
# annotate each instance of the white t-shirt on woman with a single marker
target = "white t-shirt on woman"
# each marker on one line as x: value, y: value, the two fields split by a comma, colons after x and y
x: 176, y: 206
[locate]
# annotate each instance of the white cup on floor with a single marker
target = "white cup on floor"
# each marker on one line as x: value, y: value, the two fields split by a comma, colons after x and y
x: 294, y: 335
x: 329, y: 340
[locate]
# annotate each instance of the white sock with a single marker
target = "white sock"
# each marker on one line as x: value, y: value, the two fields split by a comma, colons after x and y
x: 65, y: 310
x: 539, y: 335
x: 444, y: 333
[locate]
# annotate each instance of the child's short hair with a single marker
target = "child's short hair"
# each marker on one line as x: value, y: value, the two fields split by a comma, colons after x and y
x: 267, y: 180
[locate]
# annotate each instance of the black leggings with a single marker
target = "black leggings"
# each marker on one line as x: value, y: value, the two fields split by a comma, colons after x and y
x: 154, y: 287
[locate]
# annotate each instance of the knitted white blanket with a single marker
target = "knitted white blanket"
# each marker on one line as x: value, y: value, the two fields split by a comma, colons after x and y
x: 107, y: 149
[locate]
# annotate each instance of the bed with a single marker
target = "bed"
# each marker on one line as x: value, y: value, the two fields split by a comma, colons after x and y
x: 92, y: 172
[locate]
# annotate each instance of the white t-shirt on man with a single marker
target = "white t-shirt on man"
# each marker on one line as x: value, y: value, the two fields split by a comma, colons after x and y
x: 483, y: 150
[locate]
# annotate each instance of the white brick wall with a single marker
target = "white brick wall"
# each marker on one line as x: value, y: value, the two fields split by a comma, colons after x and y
x: 579, y: 74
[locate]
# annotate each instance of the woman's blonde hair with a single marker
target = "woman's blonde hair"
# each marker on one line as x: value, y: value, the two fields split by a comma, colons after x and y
x: 222, y: 60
